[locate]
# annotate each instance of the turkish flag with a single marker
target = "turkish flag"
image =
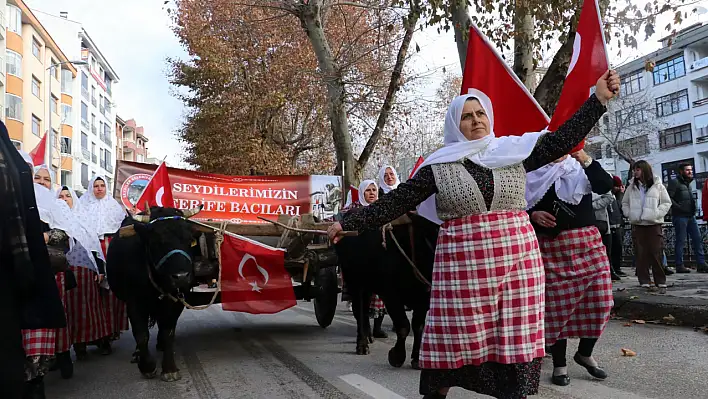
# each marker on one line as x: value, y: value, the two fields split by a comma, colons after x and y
x: 416, y: 166
x: 158, y: 191
x: 588, y: 63
x: 515, y: 111
x: 253, y: 277
x: 352, y: 196
x: 39, y: 151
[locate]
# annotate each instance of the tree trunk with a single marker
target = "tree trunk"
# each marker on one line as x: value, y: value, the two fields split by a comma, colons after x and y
x: 311, y: 22
x: 461, y: 23
x: 393, y: 87
x: 548, y: 91
x: 523, y: 43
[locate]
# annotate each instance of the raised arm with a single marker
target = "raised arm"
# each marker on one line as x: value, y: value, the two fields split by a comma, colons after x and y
x: 393, y: 204
x: 600, y: 180
x: 554, y: 145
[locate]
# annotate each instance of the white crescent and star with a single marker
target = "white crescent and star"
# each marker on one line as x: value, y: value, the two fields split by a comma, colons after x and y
x: 254, y: 284
x: 576, y: 53
x: 158, y: 196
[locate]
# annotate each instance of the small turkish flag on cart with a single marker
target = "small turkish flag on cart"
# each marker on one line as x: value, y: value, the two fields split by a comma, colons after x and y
x: 158, y: 191
x: 253, y: 277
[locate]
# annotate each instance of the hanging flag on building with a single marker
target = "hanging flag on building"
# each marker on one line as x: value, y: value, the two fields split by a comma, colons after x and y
x: 587, y: 64
x: 253, y: 277
x: 39, y: 151
x: 515, y: 110
x: 158, y: 191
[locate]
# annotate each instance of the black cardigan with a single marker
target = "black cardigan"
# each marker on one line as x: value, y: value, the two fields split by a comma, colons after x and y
x: 601, y: 183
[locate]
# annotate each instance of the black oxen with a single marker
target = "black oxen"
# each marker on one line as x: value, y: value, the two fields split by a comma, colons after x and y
x: 149, y: 259
x: 370, y: 268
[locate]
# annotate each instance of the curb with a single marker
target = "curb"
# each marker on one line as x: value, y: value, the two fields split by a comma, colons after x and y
x: 638, y: 305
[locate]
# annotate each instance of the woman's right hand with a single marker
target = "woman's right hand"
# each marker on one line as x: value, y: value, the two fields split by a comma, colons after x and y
x: 607, y: 86
x: 543, y: 219
x: 335, y: 232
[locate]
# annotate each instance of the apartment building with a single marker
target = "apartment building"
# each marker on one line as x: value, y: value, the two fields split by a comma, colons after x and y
x: 3, y: 36
x: 134, y: 142
x: 661, y: 115
x: 92, y: 146
x: 38, y: 77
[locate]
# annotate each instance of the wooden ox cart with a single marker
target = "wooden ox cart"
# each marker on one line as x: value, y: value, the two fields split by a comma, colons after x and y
x: 309, y: 258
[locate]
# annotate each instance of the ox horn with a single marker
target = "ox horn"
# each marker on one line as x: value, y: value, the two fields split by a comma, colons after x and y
x: 147, y: 207
x: 127, y: 231
x: 191, y: 212
x: 142, y: 218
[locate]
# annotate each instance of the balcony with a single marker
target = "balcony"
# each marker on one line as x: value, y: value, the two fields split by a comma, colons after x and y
x: 94, y: 130
x: 698, y: 64
x: 85, y: 92
x: 106, y: 138
x: 109, y: 167
x: 94, y: 158
x: 86, y: 153
x: 85, y: 123
x: 701, y: 102
x: 94, y: 102
x: 102, y: 109
x: 702, y: 135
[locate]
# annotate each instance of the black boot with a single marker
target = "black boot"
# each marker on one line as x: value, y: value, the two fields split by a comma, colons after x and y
x: 106, y: 346
x: 80, y: 350
x: 682, y: 269
x: 66, y: 366
x: 34, y: 389
x: 702, y: 268
x: 378, y: 332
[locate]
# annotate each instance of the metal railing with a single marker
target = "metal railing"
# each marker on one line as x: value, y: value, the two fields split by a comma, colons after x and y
x: 85, y: 93
x: 109, y: 167
x: 94, y: 130
x: 702, y: 101
x: 86, y: 153
x: 85, y: 123
x: 94, y: 158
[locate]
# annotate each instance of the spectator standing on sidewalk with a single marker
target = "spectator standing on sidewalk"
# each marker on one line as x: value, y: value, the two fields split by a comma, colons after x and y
x: 601, y: 205
x: 683, y: 216
x: 616, y: 219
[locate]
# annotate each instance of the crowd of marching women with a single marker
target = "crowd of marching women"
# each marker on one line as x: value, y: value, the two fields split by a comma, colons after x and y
x: 54, y: 288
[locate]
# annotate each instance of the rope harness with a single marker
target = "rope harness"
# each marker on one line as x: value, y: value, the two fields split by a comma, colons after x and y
x: 180, y: 296
x: 388, y: 228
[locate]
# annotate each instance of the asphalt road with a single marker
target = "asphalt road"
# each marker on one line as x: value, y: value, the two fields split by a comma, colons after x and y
x: 224, y: 355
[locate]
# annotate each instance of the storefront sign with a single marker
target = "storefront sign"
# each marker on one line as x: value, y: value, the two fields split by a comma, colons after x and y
x: 237, y: 199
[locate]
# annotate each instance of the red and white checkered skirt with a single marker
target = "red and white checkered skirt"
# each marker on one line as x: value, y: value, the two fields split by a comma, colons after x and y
x: 63, y: 340
x: 376, y: 307
x: 578, y: 284
x: 40, y: 342
x: 116, y: 310
x: 487, y: 298
x: 85, y: 313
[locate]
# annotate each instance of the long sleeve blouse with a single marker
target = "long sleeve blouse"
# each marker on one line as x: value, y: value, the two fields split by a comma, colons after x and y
x: 416, y: 190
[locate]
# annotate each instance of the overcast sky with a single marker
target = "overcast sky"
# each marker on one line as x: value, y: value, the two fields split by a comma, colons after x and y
x: 136, y: 39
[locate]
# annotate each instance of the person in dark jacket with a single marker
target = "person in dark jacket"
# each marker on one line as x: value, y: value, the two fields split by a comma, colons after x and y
x: 28, y: 290
x: 683, y: 216
x: 616, y: 217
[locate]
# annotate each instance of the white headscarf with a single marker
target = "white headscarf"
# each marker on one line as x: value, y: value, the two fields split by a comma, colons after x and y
x: 490, y: 151
x: 362, y: 187
x: 75, y: 203
x: 570, y: 180
x: 382, y: 182
x: 105, y: 214
x: 57, y: 215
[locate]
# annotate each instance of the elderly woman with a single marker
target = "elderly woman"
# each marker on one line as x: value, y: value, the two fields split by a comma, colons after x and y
x: 368, y: 193
x: 388, y: 179
x: 577, y: 267
x: 101, y: 210
x: 85, y: 314
x: 484, y: 330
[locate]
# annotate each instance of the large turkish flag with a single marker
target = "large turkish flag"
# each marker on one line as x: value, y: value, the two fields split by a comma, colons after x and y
x: 253, y: 277
x: 158, y: 191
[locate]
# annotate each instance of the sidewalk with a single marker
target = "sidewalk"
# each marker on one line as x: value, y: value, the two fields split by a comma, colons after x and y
x: 686, y: 299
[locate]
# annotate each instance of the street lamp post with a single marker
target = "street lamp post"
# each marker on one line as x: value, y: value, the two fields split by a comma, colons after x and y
x: 50, y: 132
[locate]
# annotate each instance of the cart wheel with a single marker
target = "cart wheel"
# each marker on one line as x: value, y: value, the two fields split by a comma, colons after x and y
x: 326, y: 298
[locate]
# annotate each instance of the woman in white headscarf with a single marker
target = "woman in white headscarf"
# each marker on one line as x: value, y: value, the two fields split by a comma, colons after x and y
x: 487, y: 257
x: 388, y: 179
x: 100, y: 209
x: 85, y: 313
x: 578, y: 280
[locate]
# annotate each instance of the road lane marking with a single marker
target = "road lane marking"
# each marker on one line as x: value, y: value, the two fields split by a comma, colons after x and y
x: 369, y: 387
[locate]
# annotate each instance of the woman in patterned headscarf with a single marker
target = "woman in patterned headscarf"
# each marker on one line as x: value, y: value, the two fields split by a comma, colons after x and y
x: 101, y: 210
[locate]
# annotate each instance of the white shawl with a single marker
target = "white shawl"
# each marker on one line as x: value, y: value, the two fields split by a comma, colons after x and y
x: 105, y: 214
x: 570, y: 180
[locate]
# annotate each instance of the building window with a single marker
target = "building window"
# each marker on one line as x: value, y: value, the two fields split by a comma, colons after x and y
x: 84, y: 114
x: 84, y: 176
x: 14, y: 19
x: 36, y: 87
x: 633, y: 83
x: 672, y: 103
x: 67, y: 81
x: 93, y: 153
x: 669, y: 170
x: 630, y: 116
x: 84, y: 85
x: 65, y: 145
x: 55, y: 69
x: 54, y: 105
x: 36, y: 126
x: 675, y: 137
x: 13, y: 107
x: 84, y: 141
x: 93, y: 123
x: 93, y: 96
x: 669, y: 70
x: 66, y: 179
x: 635, y: 147
x: 13, y: 63
x: 66, y: 115
x: 594, y: 150
x: 36, y: 49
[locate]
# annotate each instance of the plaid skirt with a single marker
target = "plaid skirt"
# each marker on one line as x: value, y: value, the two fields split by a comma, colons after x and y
x: 116, y: 310
x: 578, y: 284
x: 376, y: 307
x: 40, y: 342
x: 85, y: 313
x: 487, y: 298
x: 63, y: 340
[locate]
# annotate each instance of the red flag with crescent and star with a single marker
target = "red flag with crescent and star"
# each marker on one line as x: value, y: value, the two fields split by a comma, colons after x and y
x: 588, y: 63
x: 158, y: 191
x: 253, y: 277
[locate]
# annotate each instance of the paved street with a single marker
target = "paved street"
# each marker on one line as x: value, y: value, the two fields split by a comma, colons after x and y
x: 225, y: 355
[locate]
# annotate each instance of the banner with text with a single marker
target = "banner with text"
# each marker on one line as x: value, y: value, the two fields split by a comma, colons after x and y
x: 238, y: 199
